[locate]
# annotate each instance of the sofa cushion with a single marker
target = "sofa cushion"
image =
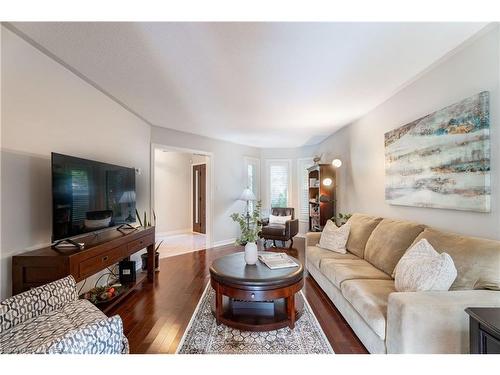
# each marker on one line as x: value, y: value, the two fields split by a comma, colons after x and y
x: 334, y: 238
x: 278, y: 230
x: 369, y: 298
x: 340, y: 270
x: 477, y: 260
x: 389, y: 241
x: 362, y: 227
x: 38, y: 333
x: 315, y: 255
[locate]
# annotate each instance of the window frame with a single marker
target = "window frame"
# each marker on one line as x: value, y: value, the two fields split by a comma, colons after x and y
x: 249, y: 160
x: 288, y: 163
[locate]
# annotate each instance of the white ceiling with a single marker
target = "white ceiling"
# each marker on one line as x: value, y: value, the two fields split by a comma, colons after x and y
x: 260, y: 84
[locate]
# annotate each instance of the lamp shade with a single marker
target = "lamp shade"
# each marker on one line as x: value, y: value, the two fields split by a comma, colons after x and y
x: 127, y: 197
x: 247, y: 195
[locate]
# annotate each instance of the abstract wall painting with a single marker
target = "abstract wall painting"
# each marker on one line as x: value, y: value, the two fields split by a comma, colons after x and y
x: 442, y: 160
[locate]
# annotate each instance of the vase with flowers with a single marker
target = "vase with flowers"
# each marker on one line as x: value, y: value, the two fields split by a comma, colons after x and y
x: 250, y: 227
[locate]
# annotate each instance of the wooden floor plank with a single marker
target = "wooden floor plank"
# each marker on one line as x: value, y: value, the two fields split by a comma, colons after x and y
x: 156, y: 316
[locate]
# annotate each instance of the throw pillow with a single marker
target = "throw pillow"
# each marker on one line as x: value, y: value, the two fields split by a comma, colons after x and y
x: 423, y: 269
x: 279, y: 219
x: 334, y: 238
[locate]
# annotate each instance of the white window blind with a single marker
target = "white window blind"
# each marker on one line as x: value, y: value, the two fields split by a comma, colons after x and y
x: 302, y: 165
x: 252, y: 172
x: 279, y: 179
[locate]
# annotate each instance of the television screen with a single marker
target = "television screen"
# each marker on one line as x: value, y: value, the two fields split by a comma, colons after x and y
x: 89, y: 195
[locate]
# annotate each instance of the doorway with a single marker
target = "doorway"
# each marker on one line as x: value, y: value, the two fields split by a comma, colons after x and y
x: 182, y: 199
x: 199, y: 198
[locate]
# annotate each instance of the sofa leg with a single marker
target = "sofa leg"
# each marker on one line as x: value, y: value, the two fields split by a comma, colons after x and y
x: 291, y: 243
x: 274, y: 243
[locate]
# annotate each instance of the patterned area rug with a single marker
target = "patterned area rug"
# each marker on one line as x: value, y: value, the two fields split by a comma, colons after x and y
x: 203, y: 336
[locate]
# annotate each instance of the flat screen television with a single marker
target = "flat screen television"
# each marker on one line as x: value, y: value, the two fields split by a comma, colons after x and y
x: 89, y: 196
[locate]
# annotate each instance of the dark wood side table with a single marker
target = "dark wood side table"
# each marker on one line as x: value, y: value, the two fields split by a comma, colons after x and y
x: 256, y: 298
x: 484, y: 330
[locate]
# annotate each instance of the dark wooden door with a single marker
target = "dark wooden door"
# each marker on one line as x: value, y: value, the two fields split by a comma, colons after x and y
x: 199, y: 198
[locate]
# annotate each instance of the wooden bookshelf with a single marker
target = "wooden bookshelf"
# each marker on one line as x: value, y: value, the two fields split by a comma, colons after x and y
x: 321, y: 195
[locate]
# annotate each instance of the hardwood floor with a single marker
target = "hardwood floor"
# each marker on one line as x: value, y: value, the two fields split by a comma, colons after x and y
x: 156, y: 316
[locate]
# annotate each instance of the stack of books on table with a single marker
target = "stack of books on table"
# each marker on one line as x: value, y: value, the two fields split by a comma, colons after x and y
x: 277, y: 260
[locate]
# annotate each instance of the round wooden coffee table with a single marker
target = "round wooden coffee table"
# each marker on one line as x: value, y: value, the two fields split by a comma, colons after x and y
x: 255, y: 298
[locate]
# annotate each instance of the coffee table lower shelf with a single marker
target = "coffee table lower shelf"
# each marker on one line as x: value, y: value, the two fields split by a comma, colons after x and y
x: 255, y: 316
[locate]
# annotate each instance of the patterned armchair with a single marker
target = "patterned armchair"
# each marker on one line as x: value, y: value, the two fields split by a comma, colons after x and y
x: 51, y: 319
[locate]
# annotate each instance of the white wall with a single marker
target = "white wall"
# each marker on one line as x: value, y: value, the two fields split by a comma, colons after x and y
x: 228, y: 163
x: 47, y: 108
x: 472, y: 69
x: 172, y: 191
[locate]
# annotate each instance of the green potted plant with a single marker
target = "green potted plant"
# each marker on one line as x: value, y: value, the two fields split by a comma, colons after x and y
x: 250, y: 227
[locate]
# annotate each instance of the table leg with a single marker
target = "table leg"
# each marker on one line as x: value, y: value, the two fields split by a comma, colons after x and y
x: 151, y: 263
x: 290, y: 310
x: 218, y: 303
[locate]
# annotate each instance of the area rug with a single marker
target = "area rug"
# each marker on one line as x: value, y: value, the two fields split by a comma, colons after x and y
x: 203, y: 336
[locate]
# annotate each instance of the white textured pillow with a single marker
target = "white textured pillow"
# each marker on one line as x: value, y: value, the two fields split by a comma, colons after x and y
x: 334, y: 238
x: 279, y: 219
x: 422, y: 268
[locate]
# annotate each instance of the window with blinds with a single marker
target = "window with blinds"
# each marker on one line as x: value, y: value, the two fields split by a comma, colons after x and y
x: 279, y: 179
x: 303, y: 180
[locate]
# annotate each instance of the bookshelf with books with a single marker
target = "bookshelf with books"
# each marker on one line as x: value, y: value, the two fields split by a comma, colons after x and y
x: 322, y: 180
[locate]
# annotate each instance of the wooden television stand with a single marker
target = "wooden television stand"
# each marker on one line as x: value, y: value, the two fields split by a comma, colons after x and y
x: 101, y: 250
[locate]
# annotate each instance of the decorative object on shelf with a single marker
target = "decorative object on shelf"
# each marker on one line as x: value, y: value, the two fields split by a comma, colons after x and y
x: 250, y: 227
x: 104, y: 294
x: 317, y: 159
x: 336, y: 163
x: 321, y: 196
x: 341, y: 218
x: 126, y: 271
x: 442, y: 160
x: 247, y: 196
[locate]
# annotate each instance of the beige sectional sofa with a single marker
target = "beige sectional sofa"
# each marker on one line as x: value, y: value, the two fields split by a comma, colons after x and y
x: 360, y: 285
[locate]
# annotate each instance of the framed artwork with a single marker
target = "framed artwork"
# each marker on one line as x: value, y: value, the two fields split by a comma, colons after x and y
x: 442, y: 160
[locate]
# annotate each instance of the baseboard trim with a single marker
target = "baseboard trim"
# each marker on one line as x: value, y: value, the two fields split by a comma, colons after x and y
x: 224, y: 242
x: 174, y: 232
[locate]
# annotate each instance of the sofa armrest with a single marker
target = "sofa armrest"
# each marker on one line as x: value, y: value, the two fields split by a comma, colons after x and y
x: 433, y: 322
x: 312, y: 238
x: 37, y: 301
x: 292, y: 227
x: 102, y: 337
